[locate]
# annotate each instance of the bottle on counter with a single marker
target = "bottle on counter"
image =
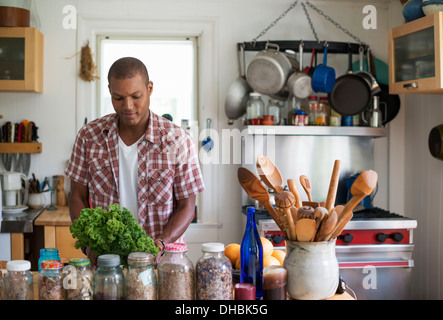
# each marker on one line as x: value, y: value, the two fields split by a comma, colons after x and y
x: 255, y: 109
x: 251, y: 255
x: 213, y: 274
x: 48, y: 254
x: 109, y: 280
x: 176, y: 275
x: 77, y: 280
x: 50, y: 280
x: 141, y: 281
x: 18, y: 283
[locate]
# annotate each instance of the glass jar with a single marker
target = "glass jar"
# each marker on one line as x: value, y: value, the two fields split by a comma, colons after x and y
x: 109, y: 280
x: 141, y: 282
x: 213, y: 274
x: 176, y: 280
x: 274, y: 110
x: 18, y: 281
x: 255, y: 108
x: 50, y: 280
x: 77, y: 280
x: 48, y: 254
x: 334, y: 119
x: 324, y: 106
x: 317, y: 115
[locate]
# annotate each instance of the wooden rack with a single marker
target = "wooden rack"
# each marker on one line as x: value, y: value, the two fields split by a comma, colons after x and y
x: 20, y: 147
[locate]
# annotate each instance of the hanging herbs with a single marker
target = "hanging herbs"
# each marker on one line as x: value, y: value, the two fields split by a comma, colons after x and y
x: 88, y: 70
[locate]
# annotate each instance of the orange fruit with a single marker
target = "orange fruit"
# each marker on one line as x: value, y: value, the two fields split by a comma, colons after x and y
x: 279, y: 255
x: 270, y: 261
x: 232, y: 252
x: 267, y: 246
x: 237, y: 264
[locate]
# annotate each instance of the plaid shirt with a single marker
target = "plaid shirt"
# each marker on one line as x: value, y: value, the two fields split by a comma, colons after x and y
x: 168, y: 168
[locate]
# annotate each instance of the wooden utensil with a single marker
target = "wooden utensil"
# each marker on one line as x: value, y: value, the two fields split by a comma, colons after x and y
x: 269, y: 173
x: 256, y: 190
x: 293, y: 188
x: 333, y: 184
x: 306, y: 184
x: 61, y: 195
x: 327, y: 226
x: 305, y: 230
x: 284, y: 200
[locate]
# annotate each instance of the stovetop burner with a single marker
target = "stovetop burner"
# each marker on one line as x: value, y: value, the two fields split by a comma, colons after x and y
x: 375, y: 213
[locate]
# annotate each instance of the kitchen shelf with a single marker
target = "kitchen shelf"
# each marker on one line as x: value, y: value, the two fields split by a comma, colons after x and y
x: 317, y: 131
x: 20, y: 147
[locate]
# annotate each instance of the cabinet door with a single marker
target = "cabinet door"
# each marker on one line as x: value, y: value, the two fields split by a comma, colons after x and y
x: 414, y: 56
x: 21, y: 59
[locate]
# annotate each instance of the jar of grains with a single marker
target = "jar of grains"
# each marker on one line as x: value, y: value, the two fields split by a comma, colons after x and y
x: 77, y: 280
x: 141, y: 281
x: 109, y: 280
x: 50, y: 280
x: 18, y: 281
x: 213, y: 274
x: 175, y: 273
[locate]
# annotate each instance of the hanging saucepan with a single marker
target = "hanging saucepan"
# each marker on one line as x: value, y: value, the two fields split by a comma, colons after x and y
x: 375, y: 88
x: 238, y: 93
x: 269, y: 70
x: 310, y: 70
x: 351, y: 93
x: 323, y: 79
x: 299, y: 83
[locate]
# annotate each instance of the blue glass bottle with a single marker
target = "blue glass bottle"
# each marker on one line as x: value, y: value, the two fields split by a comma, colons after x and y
x: 48, y: 254
x: 251, y: 256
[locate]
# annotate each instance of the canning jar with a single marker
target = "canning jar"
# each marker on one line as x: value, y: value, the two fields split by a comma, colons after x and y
x: 109, y: 280
x: 77, y: 280
x: 255, y: 108
x: 18, y: 281
x: 50, y: 280
x: 317, y: 115
x: 48, y: 254
x: 176, y: 279
x: 141, y: 282
x: 213, y: 274
x: 274, y: 109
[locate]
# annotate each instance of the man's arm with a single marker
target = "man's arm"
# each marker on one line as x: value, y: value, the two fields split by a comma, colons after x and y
x: 179, y: 221
x: 78, y: 199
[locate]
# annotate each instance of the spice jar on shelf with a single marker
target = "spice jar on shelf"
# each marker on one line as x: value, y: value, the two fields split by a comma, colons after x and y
x: 18, y: 281
x: 317, y: 115
x: 213, y: 274
x: 50, y: 280
x: 109, y: 280
x: 141, y: 282
x: 77, y: 280
x: 176, y: 278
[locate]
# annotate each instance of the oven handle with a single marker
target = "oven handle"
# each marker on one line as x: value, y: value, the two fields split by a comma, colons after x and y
x: 376, y: 264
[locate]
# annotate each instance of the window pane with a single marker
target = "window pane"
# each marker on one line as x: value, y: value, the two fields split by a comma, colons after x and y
x: 171, y: 67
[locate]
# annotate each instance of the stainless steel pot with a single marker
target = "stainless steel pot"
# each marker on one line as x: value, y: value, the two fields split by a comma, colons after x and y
x: 299, y: 83
x: 269, y: 70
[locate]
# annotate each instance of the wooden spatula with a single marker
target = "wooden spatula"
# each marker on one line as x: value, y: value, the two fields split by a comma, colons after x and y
x: 293, y: 188
x: 305, y: 230
x: 333, y: 184
x: 327, y: 226
x: 306, y: 184
x: 269, y: 173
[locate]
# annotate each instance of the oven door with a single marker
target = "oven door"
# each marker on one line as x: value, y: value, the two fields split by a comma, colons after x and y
x: 377, y: 272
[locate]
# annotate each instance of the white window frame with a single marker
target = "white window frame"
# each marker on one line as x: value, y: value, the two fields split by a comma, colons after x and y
x: 205, y: 29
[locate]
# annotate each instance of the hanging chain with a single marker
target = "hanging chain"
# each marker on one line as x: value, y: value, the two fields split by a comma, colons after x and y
x: 310, y: 21
x: 336, y: 24
x: 292, y: 6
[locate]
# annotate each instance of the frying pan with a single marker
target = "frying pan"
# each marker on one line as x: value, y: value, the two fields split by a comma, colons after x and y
x: 351, y: 93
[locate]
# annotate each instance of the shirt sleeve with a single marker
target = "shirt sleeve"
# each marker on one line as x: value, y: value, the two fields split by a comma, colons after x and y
x: 188, y: 179
x: 77, y: 169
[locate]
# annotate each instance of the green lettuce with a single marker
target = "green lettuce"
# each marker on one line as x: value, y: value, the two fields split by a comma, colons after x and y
x: 111, y: 232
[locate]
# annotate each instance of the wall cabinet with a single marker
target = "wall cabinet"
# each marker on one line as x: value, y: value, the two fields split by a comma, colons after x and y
x: 415, y: 56
x: 21, y: 59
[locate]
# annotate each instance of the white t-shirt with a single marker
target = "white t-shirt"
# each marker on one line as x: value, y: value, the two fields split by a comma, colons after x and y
x: 128, y: 176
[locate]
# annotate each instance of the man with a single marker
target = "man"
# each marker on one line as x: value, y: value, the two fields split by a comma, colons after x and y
x: 137, y: 159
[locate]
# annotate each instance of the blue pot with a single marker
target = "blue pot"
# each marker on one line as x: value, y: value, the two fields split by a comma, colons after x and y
x: 412, y: 10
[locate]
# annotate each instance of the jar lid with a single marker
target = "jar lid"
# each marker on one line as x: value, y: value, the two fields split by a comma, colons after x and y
x: 108, y: 260
x: 312, y: 98
x: 176, y: 247
x: 140, y: 257
x: 18, y: 265
x: 45, y: 250
x: 255, y: 94
x: 51, y: 264
x: 79, y: 262
x: 213, y: 247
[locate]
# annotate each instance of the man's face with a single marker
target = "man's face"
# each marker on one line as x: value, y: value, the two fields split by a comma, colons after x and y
x: 131, y: 98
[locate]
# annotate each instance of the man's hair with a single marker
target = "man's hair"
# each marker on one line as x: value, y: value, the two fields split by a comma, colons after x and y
x: 126, y: 68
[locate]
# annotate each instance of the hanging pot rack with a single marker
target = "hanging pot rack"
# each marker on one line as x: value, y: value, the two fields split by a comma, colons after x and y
x: 334, y: 47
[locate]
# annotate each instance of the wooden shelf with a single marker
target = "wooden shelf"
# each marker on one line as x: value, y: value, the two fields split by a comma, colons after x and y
x: 20, y: 147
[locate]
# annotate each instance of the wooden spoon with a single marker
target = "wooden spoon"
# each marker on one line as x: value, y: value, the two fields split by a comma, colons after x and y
x: 306, y: 184
x: 333, y: 184
x: 284, y: 200
x: 327, y: 226
x: 256, y: 190
x: 269, y: 173
x: 293, y: 188
x: 305, y: 230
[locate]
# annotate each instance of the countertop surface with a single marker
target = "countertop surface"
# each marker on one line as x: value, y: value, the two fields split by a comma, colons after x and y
x: 59, y: 217
x: 19, y: 222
